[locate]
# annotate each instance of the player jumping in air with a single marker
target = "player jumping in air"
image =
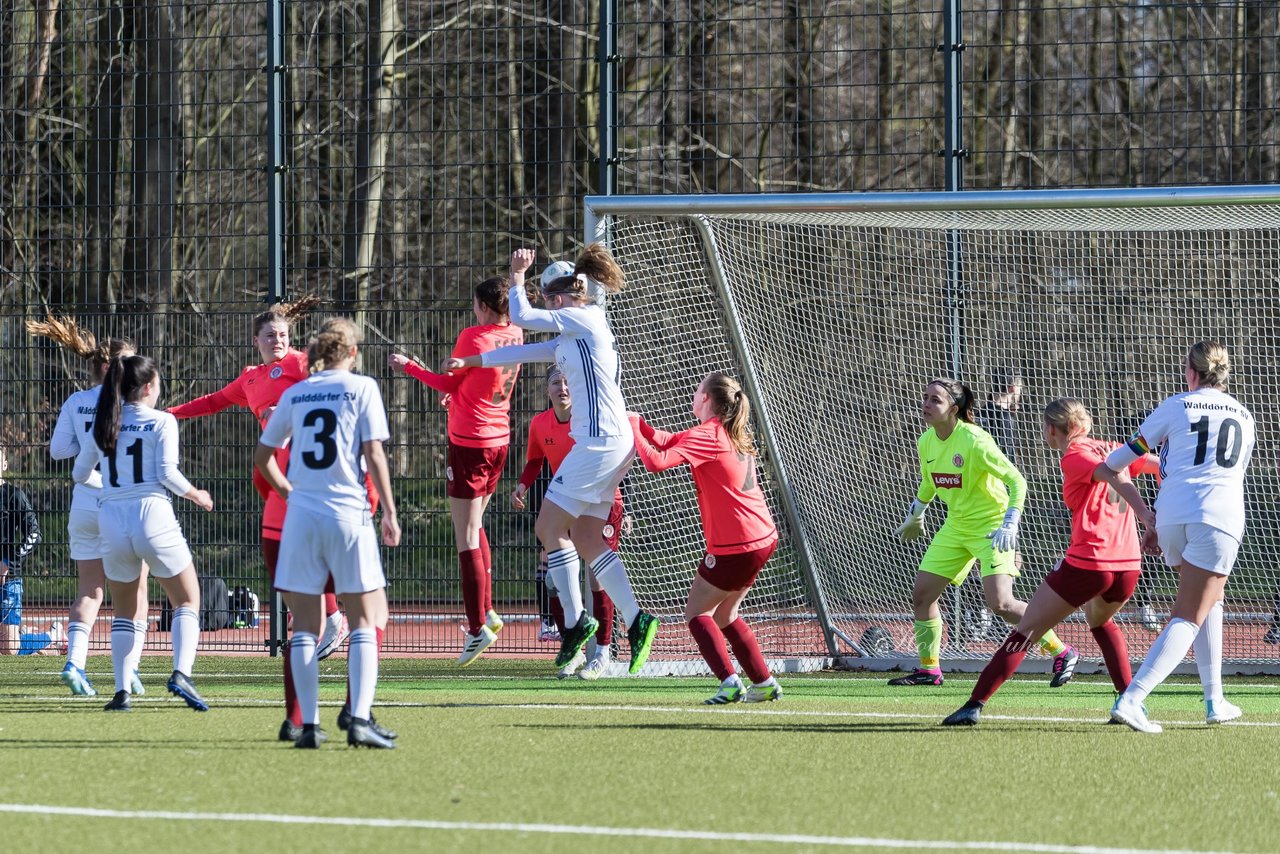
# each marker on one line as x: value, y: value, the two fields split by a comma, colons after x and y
x: 983, y: 491
x: 580, y: 498
x: 479, y: 402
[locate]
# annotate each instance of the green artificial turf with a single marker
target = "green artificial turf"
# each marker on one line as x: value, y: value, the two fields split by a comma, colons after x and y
x: 503, y: 757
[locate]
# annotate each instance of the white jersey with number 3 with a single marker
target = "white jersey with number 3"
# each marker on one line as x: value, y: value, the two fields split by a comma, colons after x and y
x: 1206, y: 439
x: 329, y: 416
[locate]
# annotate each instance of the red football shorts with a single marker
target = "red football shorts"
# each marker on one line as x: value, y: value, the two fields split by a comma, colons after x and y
x: 613, y: 526
x: 1077, y: 586
x: 473, y: 472
x: 735, y: 571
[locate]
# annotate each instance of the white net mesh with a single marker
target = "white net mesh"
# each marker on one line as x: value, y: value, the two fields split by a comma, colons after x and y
x: 841, y: 325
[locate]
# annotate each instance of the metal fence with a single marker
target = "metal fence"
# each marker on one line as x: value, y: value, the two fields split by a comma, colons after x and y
x: 167, y: 165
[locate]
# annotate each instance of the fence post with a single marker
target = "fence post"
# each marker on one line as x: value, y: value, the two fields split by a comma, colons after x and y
x: 275, y: 71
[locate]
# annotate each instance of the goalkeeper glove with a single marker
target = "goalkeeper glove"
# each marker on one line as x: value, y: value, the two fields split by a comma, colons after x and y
x: 912, y: 527
x: 1005, y: 538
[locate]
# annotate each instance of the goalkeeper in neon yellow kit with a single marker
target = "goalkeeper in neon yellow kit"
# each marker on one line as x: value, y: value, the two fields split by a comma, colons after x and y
x: 961, y: 464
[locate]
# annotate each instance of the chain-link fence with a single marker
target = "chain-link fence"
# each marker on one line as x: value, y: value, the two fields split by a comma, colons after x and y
x: 410, y: 146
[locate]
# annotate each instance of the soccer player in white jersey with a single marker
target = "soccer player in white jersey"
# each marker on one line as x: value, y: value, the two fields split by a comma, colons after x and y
x: 337, y: 423
x: 1205, y: 437
x: 70, y: 433
x: 137, y: 447
x: 580, y: 497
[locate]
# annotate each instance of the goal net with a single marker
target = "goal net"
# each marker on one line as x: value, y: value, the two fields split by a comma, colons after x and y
x: 837, y: 309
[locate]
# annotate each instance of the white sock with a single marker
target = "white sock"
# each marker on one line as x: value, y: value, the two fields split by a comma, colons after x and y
x: 186, y: 636
x: 733, y: 679
x: 768, y: 683
x: 77, y: 643
x: 565, y: 570
x: 139, y: 640
x: 362, y: 670
x: 122, y: 631
x: 306, y: 675
x: 1165, y: 654
x: 1208, y: 649
x: 612, y: 576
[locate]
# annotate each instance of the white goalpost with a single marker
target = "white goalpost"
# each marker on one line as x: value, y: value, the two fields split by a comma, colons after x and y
x: 835, y: 310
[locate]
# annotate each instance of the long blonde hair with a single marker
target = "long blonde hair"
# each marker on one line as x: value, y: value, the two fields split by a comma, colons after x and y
x: 1070, y: 416
x: 285, y: 312
x: 731, y: 405
x: 1211, y: 362
x: 70, y: 335
x: 595, y: 264
x: 332, y: 343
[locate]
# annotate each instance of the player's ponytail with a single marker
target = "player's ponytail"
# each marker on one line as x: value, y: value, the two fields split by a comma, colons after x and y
x: 285, y: 312
x: 595, y: 272
x: 68, y: 334
x: 493, y: 293
x: 1070, y: 416
x: 1211, y: 362
x: 731, y: 405
x: 961, y: 395
x: 126, y: 376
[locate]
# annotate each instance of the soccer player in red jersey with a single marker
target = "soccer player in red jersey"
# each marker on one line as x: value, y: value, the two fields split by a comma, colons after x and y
x: 739, y: 530
x: 549, y: 442
x: 1101, y: 567
x: 479, y: 402
x: 258, y: 388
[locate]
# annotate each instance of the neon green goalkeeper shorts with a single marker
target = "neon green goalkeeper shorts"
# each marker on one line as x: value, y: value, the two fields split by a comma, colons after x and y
x: 951, y: 554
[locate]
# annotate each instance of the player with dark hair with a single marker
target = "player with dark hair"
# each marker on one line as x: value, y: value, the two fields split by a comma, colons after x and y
x: 549, y: 443
x: 479, y: 403
x: 1102, y: 563
x: 736, y: 524
x: 579, y: 500
x: 19, y: 534
x: 337, y: 424
x: 1206, y: 439
x: 70, y: 432
x: 137, y: 446
x: 984, y: 492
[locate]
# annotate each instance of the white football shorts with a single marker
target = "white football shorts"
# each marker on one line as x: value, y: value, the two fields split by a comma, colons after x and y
x: 314, y: 546
x: 138, y: 530
x: 82, y: 534
x: 589, y: 476
x: 1199, y: 545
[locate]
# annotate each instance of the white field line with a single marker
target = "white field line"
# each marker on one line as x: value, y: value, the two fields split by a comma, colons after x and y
x: 230, y: 702
x: 584, y: 830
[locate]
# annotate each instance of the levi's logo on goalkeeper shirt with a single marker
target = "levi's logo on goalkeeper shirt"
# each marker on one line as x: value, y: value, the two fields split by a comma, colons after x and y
x: 946, y: 480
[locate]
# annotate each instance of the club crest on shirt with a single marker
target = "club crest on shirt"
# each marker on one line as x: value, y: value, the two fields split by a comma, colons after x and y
x: 947, y: 480
x: 276, y: 373
x: 607, y: 531
x: 448, y: 473
x: 957, y: 461
x: 709, y: 561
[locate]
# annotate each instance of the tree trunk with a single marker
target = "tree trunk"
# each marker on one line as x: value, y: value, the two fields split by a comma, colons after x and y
x: 365, y: 203
x: 115, y: 32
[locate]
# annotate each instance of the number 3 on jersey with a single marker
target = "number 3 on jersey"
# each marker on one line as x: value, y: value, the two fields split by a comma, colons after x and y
x: 1227, y: 447
x: 324, y: 449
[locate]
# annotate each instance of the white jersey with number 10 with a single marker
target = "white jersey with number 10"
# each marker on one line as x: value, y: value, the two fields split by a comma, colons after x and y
x: 1205, y: 440
x: 329, y: 415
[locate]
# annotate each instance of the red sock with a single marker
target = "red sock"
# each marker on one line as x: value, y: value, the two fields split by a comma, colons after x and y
x: 330, y: 604
x: 292, y: 710
x: 1115, y: 652
x: 487, y: 558
x: 747, y: 650
x: 380, y: 633
x: 557, y: 613
x: 1002, y: 665
x: 602, y: 610
x: 471, y: 564
x: 710, y: 642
